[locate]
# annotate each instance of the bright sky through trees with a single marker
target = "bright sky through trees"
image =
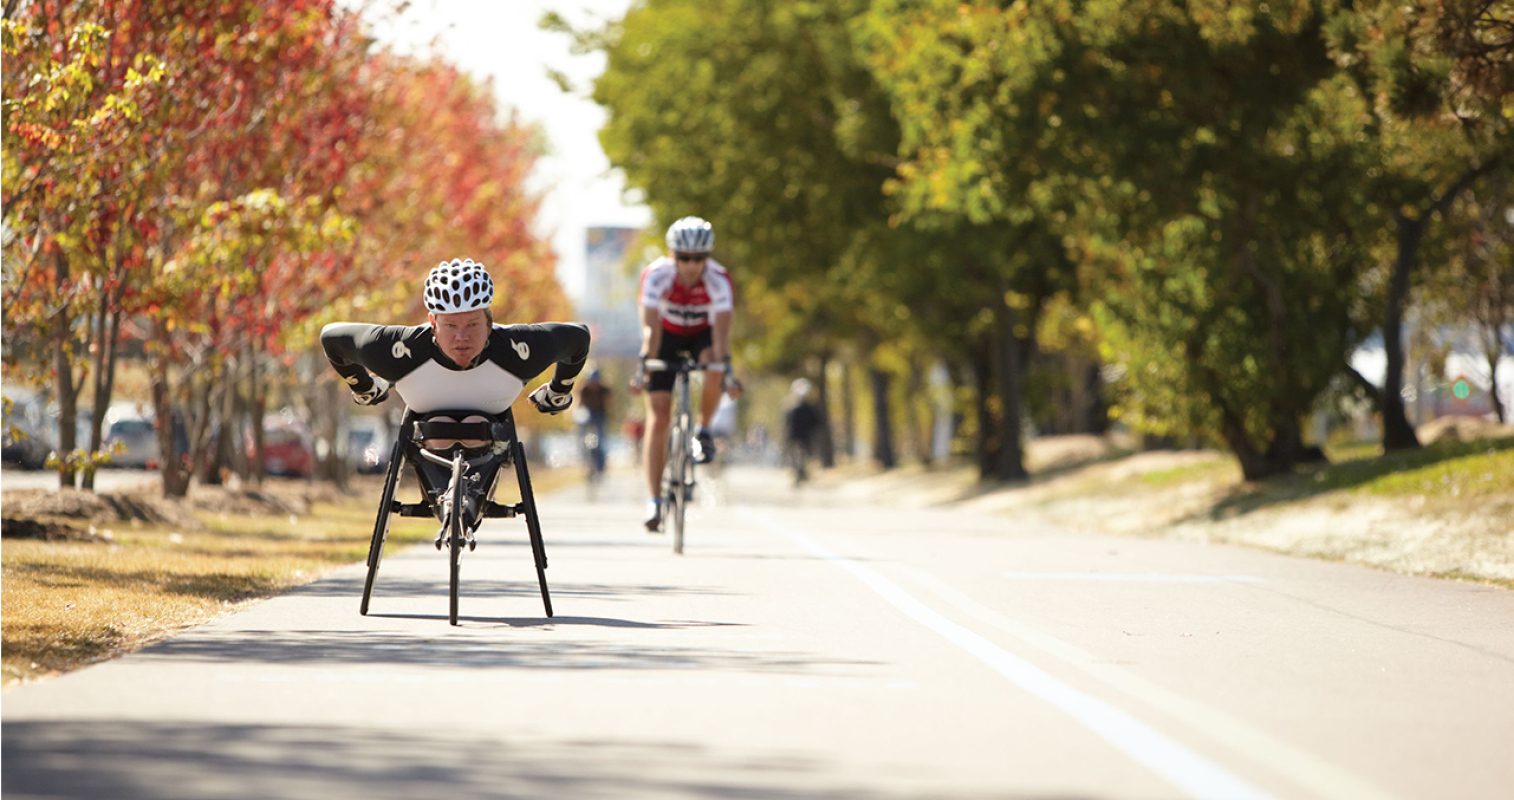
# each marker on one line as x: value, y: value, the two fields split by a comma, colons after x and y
x: 502, y: 41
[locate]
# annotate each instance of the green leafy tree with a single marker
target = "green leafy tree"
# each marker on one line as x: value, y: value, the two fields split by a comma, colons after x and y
x: 1186, y: 157
x: 1439, y: 78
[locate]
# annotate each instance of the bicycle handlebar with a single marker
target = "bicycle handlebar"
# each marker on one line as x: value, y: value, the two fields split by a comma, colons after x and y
x: 658, y: 365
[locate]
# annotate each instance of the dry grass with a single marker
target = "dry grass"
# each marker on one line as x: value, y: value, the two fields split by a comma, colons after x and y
x: 1445, y: 510
x: 67, y: 604
x: 115, y: 587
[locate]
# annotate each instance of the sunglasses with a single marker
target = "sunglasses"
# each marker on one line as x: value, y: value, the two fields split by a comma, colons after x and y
x: 692, y: 258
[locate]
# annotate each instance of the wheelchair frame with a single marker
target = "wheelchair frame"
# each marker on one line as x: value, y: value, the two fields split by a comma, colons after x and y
x: 466, y: 479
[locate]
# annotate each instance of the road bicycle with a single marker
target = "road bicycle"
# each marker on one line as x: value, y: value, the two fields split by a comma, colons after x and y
x: 457, y: 488
x: 678, y: 473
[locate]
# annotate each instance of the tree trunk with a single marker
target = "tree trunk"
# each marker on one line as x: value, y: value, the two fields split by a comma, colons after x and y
x: 919, y: 425
x: 259, y: 394
x: 826, y: 439
x: 1493, y: 385
x: 1255, y: 465
x: 203, y: 398
x: 1009, y: 380
x: 68, y: 390
x: 108, y: 341
x: 175, y: 478
x: 1398, y: 434
x: 241, y: 433
x: 848, y: 413
x: 883, y: 435
x: 329, y: 414
x: 988, y: 437
x: 1096, y: 412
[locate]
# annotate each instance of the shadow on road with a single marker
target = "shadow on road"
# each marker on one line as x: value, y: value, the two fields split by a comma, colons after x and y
x: 344, y: 648
x: 128, y: 760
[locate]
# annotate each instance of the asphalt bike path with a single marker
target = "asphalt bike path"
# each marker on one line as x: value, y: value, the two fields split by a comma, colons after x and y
x: 803, y: 646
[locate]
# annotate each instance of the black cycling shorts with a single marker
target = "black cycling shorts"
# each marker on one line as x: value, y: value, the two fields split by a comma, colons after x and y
x: 675, y: 346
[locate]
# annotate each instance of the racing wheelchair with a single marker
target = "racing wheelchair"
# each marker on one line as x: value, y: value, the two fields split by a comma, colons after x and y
x: 457, y: 489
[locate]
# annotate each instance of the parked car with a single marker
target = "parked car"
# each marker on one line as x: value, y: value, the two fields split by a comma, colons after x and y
x: 369, y: 444
x: 29, y: 435
x: 133, y: 427
x: 286, y: 448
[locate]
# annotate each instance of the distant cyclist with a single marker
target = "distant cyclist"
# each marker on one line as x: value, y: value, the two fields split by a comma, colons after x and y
x: 593, y: 404
x: 460, y: 359
x: 687, y: 302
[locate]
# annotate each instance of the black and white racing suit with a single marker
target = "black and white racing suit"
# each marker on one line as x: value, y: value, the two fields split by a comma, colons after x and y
x: 410, y: 360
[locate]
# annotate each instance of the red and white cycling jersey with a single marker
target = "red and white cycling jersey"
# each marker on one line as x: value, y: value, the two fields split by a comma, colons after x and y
x: 686, y: 310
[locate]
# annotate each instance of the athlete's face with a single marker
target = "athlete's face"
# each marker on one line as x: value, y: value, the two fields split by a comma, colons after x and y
x: 690, y: 266
x: 462, y: 336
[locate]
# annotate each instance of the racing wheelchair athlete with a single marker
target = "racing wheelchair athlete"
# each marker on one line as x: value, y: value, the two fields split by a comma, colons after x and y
x: 458, y: 376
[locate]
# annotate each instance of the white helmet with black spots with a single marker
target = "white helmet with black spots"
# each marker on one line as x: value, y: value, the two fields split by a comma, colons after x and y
x: 691, y: 235
x: 458, y: 285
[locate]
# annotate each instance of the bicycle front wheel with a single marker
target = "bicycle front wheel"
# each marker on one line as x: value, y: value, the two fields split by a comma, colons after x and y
x: 455, y: 530
x: 679, y: 484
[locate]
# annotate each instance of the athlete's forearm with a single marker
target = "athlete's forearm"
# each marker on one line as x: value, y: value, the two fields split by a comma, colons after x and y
x: 651, y: 332
x: 572, y: 354
x: 342, y: 342
x: 720, y: 339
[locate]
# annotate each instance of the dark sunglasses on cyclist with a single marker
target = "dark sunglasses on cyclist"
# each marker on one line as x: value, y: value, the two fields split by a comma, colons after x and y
x: 692, y: 257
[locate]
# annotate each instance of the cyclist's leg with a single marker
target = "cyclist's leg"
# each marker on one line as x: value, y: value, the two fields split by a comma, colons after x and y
x: 659, y: 392
x: 709, y: 397
x: 654, y: 448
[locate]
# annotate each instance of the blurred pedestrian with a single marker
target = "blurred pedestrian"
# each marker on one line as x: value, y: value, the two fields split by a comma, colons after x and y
x: 801, y: 421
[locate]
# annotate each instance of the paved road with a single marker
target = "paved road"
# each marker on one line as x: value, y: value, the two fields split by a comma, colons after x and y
x: 107, y: 479
x: 803, y: 648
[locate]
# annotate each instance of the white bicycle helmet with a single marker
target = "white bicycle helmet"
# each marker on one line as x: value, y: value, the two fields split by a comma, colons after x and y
x: 457, y: 286
x: 691, y: 235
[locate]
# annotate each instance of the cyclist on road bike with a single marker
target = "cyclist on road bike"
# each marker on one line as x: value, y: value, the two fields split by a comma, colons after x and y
x: 687, y: 302
x: 460, y: 359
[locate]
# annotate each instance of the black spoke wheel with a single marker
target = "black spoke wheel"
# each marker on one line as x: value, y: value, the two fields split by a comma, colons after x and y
x: 678, y: 489
x: 454, y: 525
x: 533, y: 525
x: 381, y: 525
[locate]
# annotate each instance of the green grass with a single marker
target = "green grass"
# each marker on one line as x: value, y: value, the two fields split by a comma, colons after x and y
x: 1450, y: 472
x: 1475, y: 474
x: 1220, y: 466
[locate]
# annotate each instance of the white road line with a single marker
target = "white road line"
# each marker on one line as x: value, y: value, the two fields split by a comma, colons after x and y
x: 1320, y: 777
x: 1180, y: 766
x: 1135, y: 577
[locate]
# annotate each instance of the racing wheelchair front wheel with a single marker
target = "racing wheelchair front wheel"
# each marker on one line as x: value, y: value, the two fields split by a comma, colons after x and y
x: 454, y: 524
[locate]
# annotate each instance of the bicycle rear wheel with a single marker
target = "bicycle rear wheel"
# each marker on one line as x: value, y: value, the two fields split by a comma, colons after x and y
x: 455, y: 529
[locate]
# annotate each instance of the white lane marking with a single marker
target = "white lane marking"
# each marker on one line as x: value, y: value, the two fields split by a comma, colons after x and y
x: 1136, y: 577
x: 1183, y: 768
x: 1321, y: 778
